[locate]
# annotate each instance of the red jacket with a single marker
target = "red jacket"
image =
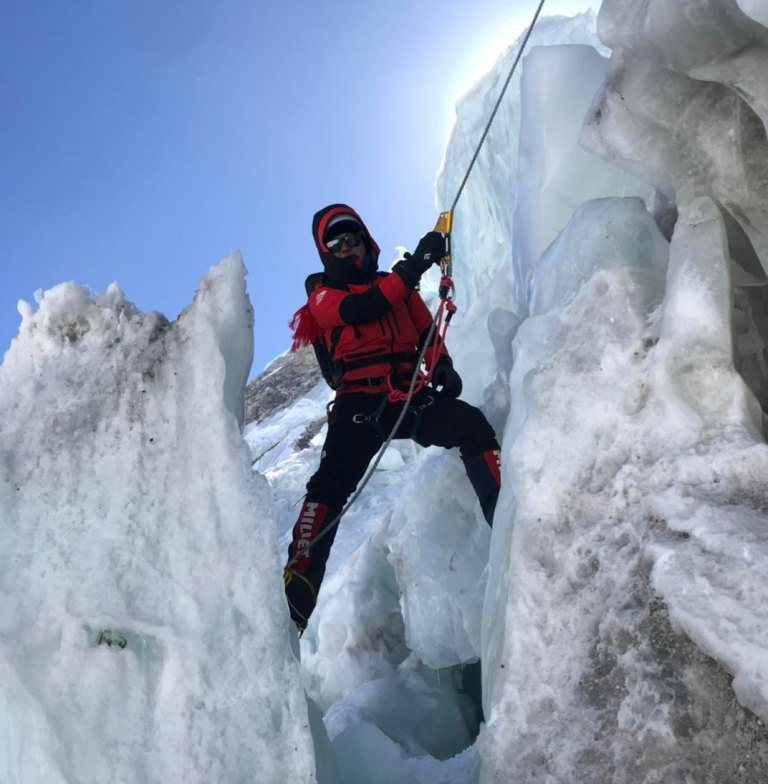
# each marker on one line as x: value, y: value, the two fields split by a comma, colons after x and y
x: 371, y: 324
x: 385, y: 346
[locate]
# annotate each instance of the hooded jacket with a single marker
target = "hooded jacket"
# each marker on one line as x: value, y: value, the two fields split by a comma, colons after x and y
x: 371, y: 323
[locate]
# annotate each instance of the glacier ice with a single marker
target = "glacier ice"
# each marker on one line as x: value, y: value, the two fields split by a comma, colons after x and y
x: 723, y: 42
x: 129, y: 504
x: 482, y: 241
x: 438, y: 547
x: 685, y: 136
x: 633, y: 439
x: 555, y: 175
x: 601, y: 234
x: 584, y: 676
x: 755, y: 9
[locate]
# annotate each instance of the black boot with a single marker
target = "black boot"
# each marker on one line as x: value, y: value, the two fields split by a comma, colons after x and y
x: 484, y: 472
x: 302, y: 597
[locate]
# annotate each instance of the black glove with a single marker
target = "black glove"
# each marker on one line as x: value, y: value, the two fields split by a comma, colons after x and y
x: 447, y: 378
x: 429, y: 251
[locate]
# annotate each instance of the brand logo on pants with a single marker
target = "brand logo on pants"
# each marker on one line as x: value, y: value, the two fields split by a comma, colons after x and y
x: 307, y: 520
x: 307, y: 525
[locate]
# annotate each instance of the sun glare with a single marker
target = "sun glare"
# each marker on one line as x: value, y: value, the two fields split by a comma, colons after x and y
x: 485, y: 55
x: 487, y: 52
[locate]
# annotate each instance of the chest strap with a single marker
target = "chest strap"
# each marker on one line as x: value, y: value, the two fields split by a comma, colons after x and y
x: 394, y: 360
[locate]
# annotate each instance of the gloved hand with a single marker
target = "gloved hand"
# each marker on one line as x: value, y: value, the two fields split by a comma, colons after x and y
x: 447, y: 378
x: 429, y: 251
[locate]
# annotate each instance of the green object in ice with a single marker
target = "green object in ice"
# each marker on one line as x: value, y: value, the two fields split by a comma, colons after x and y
x: 109, y: 637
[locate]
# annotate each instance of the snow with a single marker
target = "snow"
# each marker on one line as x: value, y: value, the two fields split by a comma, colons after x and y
x: 573, y: 681
x: 610, y: 259
x: 630, y: 428
x: 755, y: 9
x: 128, y: 504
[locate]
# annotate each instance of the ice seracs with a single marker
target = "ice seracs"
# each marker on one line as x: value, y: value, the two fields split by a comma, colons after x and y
x: 129, y: 503
x: 611, y: 585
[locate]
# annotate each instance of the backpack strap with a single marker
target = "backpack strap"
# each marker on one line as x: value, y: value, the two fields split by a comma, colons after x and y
x: 331, y: 370
x: 313, y: 280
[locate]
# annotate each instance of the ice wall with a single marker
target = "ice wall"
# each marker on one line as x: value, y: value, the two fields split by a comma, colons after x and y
x: 531, y: 172
x: 623, y: 624
x: 685, y: 108
x: 585, y: 679
x: 555, y: 175
x: 128, y: 504
x: 483, y: 247
x: 722, y: 42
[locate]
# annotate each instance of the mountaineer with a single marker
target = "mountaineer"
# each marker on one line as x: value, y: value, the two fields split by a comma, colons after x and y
x: 367, y: 328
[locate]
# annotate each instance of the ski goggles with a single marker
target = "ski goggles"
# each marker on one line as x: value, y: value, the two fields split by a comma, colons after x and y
x: 351, y: 239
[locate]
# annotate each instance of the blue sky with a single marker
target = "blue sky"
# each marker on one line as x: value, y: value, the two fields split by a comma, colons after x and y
x: 144, y: 140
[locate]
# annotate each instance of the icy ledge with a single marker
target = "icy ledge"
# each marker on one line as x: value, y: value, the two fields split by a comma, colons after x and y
x: 128, y: 503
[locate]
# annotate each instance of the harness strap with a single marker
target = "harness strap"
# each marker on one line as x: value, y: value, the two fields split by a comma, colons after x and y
x: 417, y: 412
x: 395, y: 358
x: 373, y: 419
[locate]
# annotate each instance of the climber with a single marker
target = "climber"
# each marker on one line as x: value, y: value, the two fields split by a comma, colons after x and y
x: 367, y: 328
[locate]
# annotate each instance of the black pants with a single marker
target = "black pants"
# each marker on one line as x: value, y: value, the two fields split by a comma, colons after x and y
x: 358, y: 425
x: 354, y: 436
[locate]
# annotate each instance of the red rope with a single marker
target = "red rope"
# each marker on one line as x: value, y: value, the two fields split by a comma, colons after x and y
x: 446, y: 304
x: 441, y: 327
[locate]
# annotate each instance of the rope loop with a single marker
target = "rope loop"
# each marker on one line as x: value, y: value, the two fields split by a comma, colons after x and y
x: 398, y: 395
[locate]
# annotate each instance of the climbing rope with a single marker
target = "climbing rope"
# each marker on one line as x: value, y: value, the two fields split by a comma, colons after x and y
x: 444, y: 224
x: 496, y: 107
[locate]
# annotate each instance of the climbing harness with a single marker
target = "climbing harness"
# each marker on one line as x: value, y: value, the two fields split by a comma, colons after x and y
x: 444, y: 314
x: 373, y: 419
